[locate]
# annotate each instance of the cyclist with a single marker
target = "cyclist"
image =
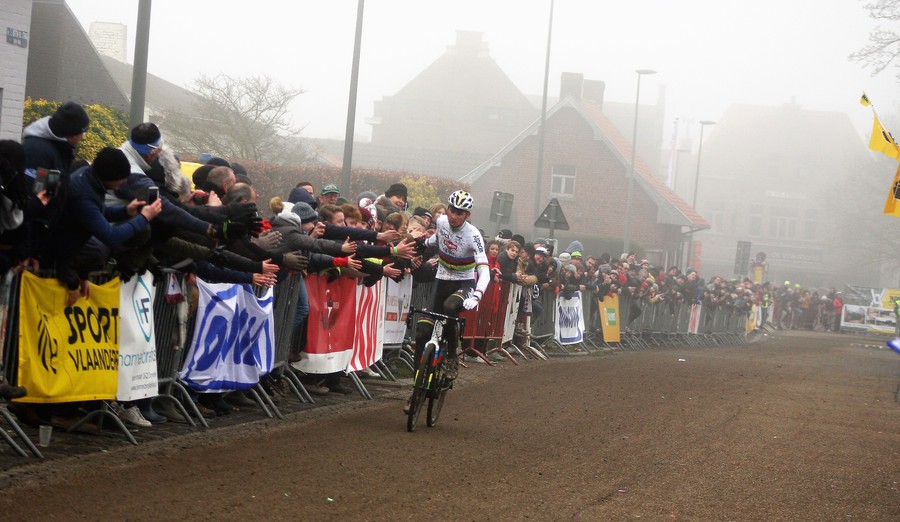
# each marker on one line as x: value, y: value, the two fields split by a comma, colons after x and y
x: 460, y: 254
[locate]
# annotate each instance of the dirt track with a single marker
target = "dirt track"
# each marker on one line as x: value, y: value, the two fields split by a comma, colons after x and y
x: 802, y: 427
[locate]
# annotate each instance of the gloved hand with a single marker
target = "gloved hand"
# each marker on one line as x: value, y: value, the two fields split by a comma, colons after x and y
x: 333, y: 274
x: 242, y: 212
x: 268, y: 240
x: 229, y: 230
x: 472, y: 301
x: 255, y: 226
x: 295, y: 262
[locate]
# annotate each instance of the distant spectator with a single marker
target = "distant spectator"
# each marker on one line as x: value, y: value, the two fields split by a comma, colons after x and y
x: 50, y: 141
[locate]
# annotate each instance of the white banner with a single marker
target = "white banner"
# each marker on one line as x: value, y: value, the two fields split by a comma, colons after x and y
x: 569, y: 325
x: 137, y: 340
x: 396, y: 308
x: 694, y: 322
x: 234, y: 339
x: 512, y: 313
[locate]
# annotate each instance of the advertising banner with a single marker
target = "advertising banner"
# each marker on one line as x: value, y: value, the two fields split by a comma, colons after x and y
x: 67, y: 353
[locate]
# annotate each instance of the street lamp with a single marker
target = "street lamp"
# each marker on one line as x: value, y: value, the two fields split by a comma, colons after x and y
x: 627, y: 235
x: 703, y: 124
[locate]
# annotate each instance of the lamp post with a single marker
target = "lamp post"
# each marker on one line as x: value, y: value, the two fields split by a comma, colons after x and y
x: 627, y: 235
x: 703, y: 124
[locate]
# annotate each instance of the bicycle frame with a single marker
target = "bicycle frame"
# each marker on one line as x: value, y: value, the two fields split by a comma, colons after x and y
x: 430, y: 381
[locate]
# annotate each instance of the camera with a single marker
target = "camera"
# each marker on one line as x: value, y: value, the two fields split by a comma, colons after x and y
x: 152, y: 195
x: 46, y: 180
x: 199, y: 197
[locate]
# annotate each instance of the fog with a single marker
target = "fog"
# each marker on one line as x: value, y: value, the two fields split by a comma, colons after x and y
x: 709, y: 56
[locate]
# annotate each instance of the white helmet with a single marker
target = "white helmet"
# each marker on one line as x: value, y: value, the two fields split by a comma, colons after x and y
x: 461, y: 200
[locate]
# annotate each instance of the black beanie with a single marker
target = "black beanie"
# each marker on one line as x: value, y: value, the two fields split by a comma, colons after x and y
x: 69, y: 120
x: 219, y: 162
x: 111, y: 165
x: 397, y: 189
x: 199, y: 176
x: 145, y: 133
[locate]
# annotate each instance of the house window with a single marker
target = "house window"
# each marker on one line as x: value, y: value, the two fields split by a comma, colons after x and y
x: 811, y: 224
x: 562, y: 183
x: 783, y: 222
x: 755, y: 220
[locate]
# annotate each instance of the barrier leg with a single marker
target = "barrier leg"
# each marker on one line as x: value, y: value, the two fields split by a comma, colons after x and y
x: 18, y: 429
x: 360, y: 387
x: 257, y: 393
x: 186, y: 399
x: 385, y: 371
x: 178, y: 407
x: 102, y: 414
x: 297, y: 387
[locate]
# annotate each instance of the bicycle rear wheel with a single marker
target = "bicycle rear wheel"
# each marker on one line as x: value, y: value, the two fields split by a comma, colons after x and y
x: 436, y: 399
x: 420, y: 387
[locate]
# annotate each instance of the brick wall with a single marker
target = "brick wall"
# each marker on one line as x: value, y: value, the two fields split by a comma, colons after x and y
x: 598, y: 206
x: 15, y: 15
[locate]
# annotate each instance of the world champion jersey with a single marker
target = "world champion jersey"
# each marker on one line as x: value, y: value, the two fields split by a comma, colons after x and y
x: 460, y: 251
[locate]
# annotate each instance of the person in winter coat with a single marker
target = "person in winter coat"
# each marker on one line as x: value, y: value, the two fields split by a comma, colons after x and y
x: 50, y: 141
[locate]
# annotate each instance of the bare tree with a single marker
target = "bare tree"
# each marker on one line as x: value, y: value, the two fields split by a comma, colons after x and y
x: 884, y: 44
x: 238, y: 118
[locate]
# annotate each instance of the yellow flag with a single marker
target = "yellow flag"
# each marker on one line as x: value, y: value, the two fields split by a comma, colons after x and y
x: 882, y: 141
x: 892, y: 205
x: 864, y: 100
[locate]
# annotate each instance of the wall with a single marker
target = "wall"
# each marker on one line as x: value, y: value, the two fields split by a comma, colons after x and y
x: 16, y: 16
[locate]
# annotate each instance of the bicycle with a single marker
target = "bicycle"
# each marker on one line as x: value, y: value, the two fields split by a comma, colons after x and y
x: 431, y: 380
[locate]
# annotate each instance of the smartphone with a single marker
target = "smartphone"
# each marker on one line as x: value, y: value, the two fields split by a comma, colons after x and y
x: 52, y: 182
x: 40, y: 180
x: 152, y: 195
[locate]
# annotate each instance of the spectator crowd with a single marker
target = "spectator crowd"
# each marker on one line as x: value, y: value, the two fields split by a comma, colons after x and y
x: 130, y: 211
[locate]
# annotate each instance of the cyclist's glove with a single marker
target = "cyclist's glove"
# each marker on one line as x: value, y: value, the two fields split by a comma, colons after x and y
x: 472, y: 301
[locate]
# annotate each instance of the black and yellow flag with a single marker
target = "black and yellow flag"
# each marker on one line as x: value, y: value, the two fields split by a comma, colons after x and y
x: 892, y: 205
x: 882, y: 141
x: 864, y: 100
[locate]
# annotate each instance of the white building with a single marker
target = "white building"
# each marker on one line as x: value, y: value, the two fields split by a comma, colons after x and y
x: 15, y: 22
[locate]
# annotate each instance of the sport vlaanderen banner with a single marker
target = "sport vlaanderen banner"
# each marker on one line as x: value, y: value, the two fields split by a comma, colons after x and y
x: 234, y: 338
x: 67, y: 353
x: 137, y: 345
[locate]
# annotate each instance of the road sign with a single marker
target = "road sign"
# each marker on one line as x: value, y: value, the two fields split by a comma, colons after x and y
x: 552, y: 217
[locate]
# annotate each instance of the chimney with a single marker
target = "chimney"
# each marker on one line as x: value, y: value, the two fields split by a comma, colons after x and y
x: 593, y: 91
x: 570, y: 84
x: 470, y: 43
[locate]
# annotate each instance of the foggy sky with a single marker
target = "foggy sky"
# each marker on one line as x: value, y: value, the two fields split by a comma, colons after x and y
x: 708, y: 53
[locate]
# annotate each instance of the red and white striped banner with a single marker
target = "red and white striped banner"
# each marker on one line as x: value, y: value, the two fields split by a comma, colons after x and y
x: 369, y: 331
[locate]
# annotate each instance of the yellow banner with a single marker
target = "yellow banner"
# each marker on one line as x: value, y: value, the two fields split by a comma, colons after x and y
x: 609, y: 318
x: 882, y: 141
x: 751, y: 320
x: 890, y: 206
x: 68, y: 354
x: 887, y: 299
x: 187, y: 170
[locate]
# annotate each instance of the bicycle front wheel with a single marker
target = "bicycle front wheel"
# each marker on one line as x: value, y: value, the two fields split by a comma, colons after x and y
x: 424, y: 373
x: 436, y: 401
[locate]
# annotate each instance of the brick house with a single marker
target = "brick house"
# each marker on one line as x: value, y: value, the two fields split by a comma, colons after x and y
x: 585, y: 166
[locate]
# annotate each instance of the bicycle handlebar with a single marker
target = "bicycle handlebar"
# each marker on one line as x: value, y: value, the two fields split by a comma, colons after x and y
x: 436, y: 315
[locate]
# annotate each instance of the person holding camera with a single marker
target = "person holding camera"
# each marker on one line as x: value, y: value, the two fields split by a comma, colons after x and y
x: 79, y: 232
